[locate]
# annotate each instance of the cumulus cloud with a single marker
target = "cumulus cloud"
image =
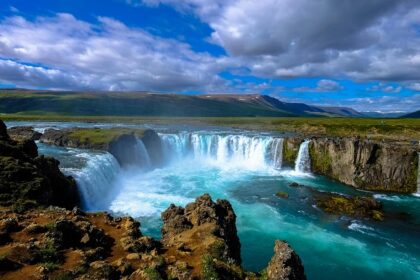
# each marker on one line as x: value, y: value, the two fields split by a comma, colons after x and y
x: 359, y: 39
x: 323, y: 85
x: 414, y: 86
x: 382, y: 87
x: 107, y: 55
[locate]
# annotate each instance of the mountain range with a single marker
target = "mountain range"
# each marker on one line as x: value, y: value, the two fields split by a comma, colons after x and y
x: 35, y: 102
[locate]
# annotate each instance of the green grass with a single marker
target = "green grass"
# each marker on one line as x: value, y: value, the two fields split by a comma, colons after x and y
x: 394, y: 129
x: 96, y: 136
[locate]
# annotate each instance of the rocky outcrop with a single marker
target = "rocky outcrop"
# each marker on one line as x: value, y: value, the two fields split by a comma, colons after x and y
x: 204, y: 215
x: 285, y: 264
x: 366, y: 164
x: 28, y: 180
x: 199, y: 242
x: 291, y: 149
x: 359, y: 207
x: 121, y: 143
x: 24, y: 133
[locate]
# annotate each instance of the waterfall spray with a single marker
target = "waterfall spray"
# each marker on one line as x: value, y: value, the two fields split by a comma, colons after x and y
x: 303, y: 160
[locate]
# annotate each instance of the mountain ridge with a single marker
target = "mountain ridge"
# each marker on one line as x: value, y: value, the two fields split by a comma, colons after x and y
x: 23, y: 101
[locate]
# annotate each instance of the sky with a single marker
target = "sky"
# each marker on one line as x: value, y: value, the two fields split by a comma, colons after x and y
x: 363, y: 54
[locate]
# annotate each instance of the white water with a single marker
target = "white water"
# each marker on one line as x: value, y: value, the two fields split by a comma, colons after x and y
x: 224, y: 151
x: 142, y: 157
x: 303, y: 160
x: 277, y: 144
x: 96, y: 179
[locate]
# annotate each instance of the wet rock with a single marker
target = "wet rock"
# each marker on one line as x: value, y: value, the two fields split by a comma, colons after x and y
x: 285, y: 264
x: 282, y: 194
x: 24, y: 133
x: 294, y: 185
x: 362, y: 207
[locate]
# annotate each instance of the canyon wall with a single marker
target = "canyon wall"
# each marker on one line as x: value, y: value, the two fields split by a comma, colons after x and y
x: 361, y: 163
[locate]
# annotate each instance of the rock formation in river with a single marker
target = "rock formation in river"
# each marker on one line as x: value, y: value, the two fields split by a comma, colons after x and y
x: 361, y: 163
x: 285, y: 264
x: 28, y: 180
x: 366, y: 164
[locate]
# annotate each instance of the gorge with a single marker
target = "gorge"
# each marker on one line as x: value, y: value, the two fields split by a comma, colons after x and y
x: 134, y: 175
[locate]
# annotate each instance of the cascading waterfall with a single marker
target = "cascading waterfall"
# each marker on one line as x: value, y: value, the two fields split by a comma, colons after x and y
x: 250, y: 152
x: 277, y: 147
x: 142, y: 158
x: 95, y: 180
x: 303, y: 160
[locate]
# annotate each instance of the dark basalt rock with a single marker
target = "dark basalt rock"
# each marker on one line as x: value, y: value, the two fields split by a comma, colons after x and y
x: 153, y: 145
x: 285, y: 264
x: 28, y: 180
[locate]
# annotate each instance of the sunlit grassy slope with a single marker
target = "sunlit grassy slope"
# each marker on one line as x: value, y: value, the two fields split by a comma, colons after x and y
x: 394, y: 129
x: 28, y: 102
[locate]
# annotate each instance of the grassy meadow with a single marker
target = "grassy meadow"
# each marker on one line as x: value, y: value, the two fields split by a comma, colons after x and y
x: 389, y: 129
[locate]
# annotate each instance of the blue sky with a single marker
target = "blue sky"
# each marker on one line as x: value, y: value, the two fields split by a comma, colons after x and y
x: 363, y: 54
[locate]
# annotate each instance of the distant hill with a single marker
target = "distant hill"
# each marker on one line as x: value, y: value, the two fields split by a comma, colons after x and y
x: 382, y: 115
x: 412, y: 115
x: 154, y: 104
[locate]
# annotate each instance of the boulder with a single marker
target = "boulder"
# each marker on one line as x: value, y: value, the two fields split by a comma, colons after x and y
x: 362, y: 207
x: 285, y: 264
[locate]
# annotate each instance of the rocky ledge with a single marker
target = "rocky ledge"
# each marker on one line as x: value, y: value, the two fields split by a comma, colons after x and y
x: 28, y: 180
x: 362, y: 163
x: 122, y: 143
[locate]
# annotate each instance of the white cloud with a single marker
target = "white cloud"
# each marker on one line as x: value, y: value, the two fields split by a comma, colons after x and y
x: 386, y: 88
x: 414, y: 86
x: 107, y: 55
x: 323, y: 85
x: 357, y: 39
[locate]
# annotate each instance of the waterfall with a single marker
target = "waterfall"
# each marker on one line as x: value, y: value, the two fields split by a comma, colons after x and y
x: 303, y: 160
x: 251, y: 152
x: 96, y: 179
x: 277, y: 147
x: 141, y: 156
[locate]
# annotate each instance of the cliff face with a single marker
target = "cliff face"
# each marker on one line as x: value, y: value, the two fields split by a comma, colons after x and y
x: 28, y: 180
x: 121, y: 143
x: 367, y: 165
